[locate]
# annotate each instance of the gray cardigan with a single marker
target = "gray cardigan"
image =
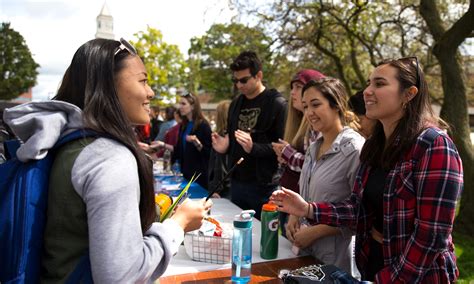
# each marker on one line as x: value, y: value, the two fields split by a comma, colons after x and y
x: 330, y: 179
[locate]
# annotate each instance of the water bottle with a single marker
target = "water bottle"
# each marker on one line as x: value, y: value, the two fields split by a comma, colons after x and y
x: 176, y: 170
x: 167, y: 161
x: 242, y: 247
x: 269, y: 237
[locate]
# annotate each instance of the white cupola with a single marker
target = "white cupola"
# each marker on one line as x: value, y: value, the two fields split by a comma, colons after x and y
x: 105, y: 24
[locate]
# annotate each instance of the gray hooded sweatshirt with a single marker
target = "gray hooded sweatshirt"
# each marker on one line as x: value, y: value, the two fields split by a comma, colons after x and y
x: 105, y: 176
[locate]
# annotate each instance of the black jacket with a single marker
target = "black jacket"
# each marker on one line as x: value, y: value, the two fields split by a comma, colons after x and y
x: 218, y: 168
x: 192, y: 160
x: 269, y: 128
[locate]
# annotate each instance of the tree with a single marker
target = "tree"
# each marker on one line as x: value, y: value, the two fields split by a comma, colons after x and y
x: 164, y: 62
x: 344, y: 40
x: 17, y: 66
x: 454, y: 109
x: 210, y: 57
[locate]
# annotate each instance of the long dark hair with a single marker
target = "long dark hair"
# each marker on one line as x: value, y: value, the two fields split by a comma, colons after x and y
x: 89, y: 83
x: 198, y: 117
x: 334, y: 91
x: 418, y: 115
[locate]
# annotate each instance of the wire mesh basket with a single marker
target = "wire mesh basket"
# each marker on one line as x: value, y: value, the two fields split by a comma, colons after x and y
x: 208, y: 248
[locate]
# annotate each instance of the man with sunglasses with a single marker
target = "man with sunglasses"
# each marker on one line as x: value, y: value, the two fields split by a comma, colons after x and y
x: 256, y: 119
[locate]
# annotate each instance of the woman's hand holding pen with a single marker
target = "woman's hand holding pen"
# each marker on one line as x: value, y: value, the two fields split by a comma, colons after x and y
x: 190, y: 214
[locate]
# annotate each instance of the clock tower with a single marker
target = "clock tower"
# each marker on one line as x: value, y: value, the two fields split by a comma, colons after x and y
x: 105, y: 24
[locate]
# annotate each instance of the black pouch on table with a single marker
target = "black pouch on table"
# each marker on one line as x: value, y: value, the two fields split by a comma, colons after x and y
x: 325, y: 274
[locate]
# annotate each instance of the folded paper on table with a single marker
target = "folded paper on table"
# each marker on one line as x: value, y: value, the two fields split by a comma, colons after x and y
x: 179, y: 199
x: 170, y: 187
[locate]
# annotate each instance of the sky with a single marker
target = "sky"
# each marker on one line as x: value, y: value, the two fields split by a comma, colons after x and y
x: 54, y: 29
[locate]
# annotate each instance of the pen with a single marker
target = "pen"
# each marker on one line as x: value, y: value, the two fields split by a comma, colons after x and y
x: 224, y: 178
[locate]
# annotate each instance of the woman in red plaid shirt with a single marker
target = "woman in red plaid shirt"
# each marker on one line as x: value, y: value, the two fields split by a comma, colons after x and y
x: 403, y: 202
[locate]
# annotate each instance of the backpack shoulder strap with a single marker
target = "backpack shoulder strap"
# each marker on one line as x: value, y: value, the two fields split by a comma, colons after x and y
x: 76, y: 134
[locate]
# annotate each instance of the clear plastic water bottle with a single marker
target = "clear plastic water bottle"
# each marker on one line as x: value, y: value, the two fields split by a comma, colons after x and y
x: 242, y: 247
x: 176, y: 170
x: 167, y: 161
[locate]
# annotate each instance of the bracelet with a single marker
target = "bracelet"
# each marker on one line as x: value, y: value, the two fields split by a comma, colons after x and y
x: 307, y: 213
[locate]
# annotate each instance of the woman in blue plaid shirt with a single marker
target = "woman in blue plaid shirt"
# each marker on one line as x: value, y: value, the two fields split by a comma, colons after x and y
x: 403, y: 202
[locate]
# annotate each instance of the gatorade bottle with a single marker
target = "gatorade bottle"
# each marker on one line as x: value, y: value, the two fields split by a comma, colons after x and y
x: 269, y: 237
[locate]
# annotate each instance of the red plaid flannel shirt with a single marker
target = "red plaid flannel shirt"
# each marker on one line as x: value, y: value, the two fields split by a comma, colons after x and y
x: 419, y: 205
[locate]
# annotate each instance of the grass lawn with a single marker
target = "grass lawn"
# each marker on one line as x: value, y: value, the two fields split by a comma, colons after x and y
x: 464, y: 249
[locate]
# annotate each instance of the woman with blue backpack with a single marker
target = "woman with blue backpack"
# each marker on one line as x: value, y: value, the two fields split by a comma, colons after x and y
x: 101, y: 216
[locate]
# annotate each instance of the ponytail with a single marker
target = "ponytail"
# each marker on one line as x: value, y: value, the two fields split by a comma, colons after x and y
x: 350, y: 119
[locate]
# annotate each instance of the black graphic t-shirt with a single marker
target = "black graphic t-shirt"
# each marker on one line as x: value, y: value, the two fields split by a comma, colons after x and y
x: 248, y: 118
x: 249, y: 114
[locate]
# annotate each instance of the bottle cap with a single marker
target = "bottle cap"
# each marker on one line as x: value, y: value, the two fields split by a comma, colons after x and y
x: 244, y: 219
x: 269, y: 207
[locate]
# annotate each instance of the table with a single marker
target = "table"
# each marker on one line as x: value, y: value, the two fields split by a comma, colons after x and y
x: 263, y: 272
x: 182, y: 267
x: 195, y: 191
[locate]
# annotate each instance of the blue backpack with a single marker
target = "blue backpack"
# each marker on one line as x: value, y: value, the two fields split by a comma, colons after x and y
x: 23, y: 198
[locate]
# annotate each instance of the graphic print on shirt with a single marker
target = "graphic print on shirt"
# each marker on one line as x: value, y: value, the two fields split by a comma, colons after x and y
x: 248, y: 118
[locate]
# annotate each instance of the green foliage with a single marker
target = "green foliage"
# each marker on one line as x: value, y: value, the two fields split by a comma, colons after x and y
x: 164, y: 62
x: 346, y: 40
x: 464, y: 249
x: 17, y: 66
x: 210, y: 57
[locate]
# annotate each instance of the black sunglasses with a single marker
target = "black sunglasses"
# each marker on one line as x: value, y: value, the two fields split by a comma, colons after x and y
x: 125, y: 45
x: 413, y: 60
x: 242, y: 81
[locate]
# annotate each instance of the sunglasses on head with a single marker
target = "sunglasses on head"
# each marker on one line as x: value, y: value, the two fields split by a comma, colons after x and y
x: 243, y: 80
x: 189, y: 96
x: 125, y: 45
x: 413, y: 60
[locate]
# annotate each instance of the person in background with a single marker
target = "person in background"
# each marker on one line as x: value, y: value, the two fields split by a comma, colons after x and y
x: 328, y: 172
x: 256, y: 119
x: 219, y: 163
x: 171, y: 137
x: 167, y: 124
x: 101, y: 208
x: 142, y: 133
x: 157, y: 147
x: 194, y: 140
x: 357, y: 104
x: 403, y: 202
x: 155, y: 121
x: 297, y: 130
